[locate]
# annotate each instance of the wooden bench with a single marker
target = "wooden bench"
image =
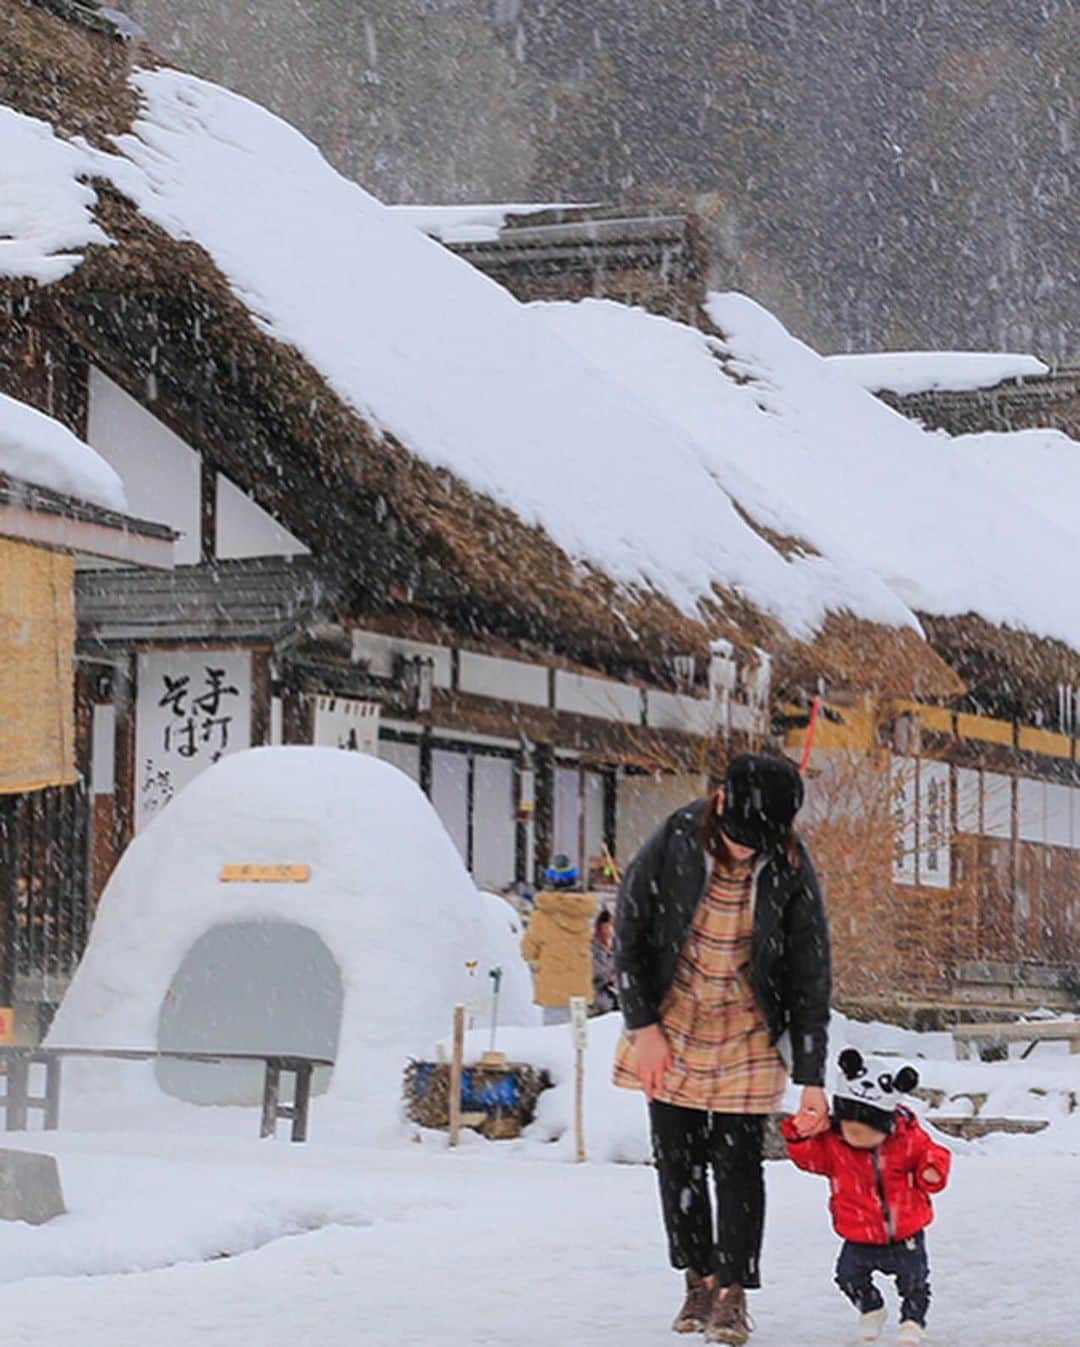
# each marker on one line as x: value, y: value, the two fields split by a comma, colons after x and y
x: 987, y: 1037
x: 15, y: 1064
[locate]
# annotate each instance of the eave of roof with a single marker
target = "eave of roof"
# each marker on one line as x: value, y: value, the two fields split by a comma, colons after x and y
x: 34, y: 514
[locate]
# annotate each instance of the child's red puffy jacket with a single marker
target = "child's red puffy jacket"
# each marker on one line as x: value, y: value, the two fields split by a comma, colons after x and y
x: 880, y: 1195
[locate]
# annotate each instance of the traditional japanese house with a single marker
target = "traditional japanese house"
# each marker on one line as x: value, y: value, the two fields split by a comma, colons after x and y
x: 371, y: 555
x: 58, y: 513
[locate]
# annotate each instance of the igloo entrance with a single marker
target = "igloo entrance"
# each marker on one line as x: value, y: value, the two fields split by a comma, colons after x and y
x: 250, y: 986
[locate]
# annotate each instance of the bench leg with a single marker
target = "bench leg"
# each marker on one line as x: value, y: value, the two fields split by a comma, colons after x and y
x: 18, y: 1089
x: 301, y: 1102
x: 963, y: 1049
x: 271, y: 1093
x: 52, y: 1093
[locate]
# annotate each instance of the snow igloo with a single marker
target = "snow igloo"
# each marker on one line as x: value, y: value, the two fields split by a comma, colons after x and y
x: 358, y: 956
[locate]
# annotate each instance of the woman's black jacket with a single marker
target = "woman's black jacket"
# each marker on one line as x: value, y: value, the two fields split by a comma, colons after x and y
x: 789, y: 951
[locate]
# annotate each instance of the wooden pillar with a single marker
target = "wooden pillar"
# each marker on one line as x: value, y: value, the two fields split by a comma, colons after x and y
x: 544, y: 814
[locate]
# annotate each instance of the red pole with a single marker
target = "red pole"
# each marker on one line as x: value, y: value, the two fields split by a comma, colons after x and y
x: 811, y: 729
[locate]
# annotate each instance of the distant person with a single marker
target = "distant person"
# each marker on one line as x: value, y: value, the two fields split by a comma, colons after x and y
x: 558, y: 942
x: 722, y: 953
x: 882, y: 1168
x: 605, y: 998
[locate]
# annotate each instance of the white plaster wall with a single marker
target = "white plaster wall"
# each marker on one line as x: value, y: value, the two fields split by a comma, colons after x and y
x: 244, y: 529
x: 161, y: 473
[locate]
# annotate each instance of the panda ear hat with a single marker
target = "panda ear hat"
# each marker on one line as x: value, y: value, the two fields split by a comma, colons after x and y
x: 869, y: 1090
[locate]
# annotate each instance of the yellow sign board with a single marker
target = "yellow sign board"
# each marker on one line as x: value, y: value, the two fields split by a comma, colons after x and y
x: 7, y: 1026
x: 265, y: 874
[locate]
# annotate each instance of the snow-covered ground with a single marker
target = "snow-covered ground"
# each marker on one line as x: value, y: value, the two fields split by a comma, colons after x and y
x: 183, y: 1227
x: 498, y: 1243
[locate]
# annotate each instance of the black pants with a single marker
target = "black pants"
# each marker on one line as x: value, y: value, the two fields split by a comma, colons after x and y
x: 687, y: 1143
x: 906, y: 1261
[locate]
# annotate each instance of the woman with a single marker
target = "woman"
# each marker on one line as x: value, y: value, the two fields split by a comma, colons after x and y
x: 722, y: 955
x: 603, y: 965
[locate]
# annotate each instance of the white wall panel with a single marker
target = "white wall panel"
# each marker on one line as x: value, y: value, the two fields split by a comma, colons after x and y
x: 968, y: 801
x: 508, y: 679
x: 450, y: 795
x: 244, y: 529
x: 567, y: 830
x: 1058, y: 815
x: 997, y: 805
x: 685, y: 715
x: 599, y: 697
x: 494, y: 828
x: 161, y: 473
x: 381, y: 652
x: 406, y: 757
x: 1031, y: 810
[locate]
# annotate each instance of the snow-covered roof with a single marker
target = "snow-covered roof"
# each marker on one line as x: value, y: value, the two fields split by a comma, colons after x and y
x: 35, y: 448
x: 684, y: 469
x: 472, y: 224
x: 905, y: 372
x: 947, y: 527
x: 507, y: 405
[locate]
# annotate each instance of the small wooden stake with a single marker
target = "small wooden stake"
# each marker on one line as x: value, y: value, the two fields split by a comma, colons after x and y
x: 578, y: 1013
x: 455, y: 1074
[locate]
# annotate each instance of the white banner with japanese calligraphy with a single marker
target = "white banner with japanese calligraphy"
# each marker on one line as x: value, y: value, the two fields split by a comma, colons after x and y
x: 935, y: 825
x: 904, y: 797
x: 922, y: 822
x: 344, y: 722
x: 192, y: 708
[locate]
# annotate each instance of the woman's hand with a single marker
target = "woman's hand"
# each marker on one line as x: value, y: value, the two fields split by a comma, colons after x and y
x: 931, y: 1175
x: 813, y: 1115
x: 652, y: 1057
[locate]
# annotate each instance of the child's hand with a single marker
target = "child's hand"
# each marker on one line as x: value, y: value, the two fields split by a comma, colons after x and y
x: 813, y: 1115
x: 931, y: 1175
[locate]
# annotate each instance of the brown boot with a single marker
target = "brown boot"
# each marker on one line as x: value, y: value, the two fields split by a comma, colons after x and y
x: 729, y: 1321
x: 697, y: 1306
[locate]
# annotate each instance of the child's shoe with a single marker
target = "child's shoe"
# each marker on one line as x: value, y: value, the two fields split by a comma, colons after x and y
x: 871, y: 1324
x: 910, y: 1334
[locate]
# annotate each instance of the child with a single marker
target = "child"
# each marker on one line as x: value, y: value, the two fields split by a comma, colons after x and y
x: 882, y: 1168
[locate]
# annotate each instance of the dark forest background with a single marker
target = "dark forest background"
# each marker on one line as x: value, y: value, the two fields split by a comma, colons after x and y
x: 881, y: 173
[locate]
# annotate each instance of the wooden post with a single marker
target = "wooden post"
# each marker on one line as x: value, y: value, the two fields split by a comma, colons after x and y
x: 271, y: 1089
x: 301, y: 1100
x: 578, y: 1013
x: 456, y: 1061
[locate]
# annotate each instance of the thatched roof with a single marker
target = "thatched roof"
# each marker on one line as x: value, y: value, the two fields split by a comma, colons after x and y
x: 158, y: 313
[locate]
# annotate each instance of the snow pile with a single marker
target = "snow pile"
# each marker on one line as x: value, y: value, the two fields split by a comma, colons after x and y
x: 45, y: 212
x: 926, y: 371
x: 811, y: 454
x: 35, y: 448
x: 469, y: 224
x: 388, y: 896
x: 1042, y: 1087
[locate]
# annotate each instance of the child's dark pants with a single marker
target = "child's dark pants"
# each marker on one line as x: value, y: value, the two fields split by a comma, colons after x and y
x: 905, y: 1260
x: 687, y: 1142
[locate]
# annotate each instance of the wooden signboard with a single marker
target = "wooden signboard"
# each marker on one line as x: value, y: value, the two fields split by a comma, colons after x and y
x: 265, y: 874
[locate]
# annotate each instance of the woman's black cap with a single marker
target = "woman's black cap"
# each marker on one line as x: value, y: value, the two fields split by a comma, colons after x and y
x: 761, y: 798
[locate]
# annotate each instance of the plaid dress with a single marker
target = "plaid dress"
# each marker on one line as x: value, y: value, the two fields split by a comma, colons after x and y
x: 722, y: 1060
